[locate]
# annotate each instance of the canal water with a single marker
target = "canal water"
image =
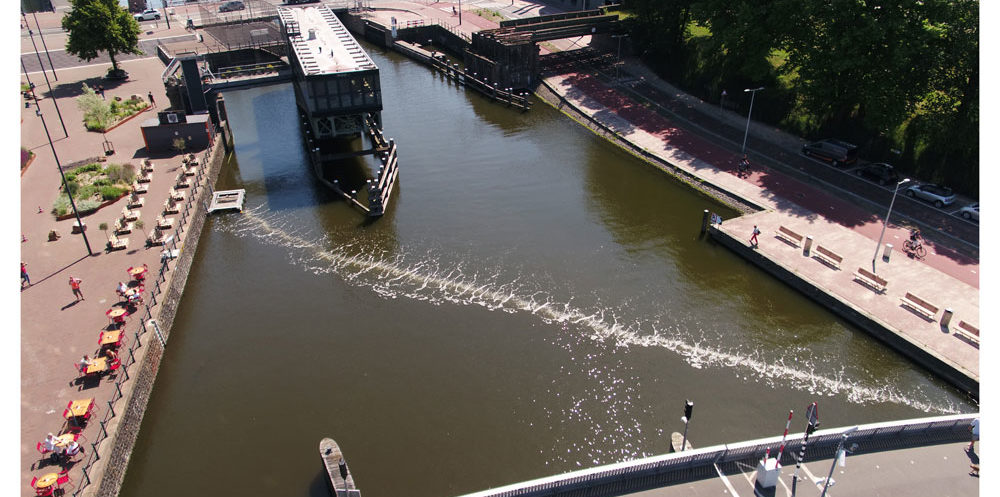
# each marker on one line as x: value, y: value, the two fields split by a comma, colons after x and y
x: 535, y: 301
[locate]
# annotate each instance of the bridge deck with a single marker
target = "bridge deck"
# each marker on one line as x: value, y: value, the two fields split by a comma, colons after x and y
x: 323, y: 45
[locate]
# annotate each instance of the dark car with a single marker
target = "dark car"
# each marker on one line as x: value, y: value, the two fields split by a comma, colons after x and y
x: 231, y: 6
x: 878, y: 172
x: 837, y: 152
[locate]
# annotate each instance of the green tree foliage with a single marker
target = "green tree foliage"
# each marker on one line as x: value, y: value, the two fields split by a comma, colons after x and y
x: 100, y: 25
x: 898, y: 78
x: 97, y: 113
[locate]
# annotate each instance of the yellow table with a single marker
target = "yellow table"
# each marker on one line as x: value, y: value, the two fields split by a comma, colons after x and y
x: 47, y: 480
x: 80, y: 407
x: 64, y: 439
x: 117, y: 312
x: 98, y: 365
x: 110, y: 337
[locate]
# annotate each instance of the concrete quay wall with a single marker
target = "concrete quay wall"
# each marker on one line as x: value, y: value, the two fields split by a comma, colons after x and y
x: 123, y: 430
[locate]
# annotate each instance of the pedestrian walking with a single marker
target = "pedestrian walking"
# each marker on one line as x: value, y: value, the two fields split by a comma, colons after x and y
x: 74, y: 283
x: 151, y: 101
x: 100, y: 91
x: 24, y: 275
x: 753, y: 238
x: 974, y: 430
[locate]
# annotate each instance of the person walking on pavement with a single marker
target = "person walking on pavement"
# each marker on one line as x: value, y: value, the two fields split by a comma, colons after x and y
x: 753, y: 238
x: 974, y: 431
x: 74, y: 283
x: 100, y: 91
x: 24, y: 275
x: 151, y: 101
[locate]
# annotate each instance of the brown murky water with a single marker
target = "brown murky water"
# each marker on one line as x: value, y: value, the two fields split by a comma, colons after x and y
x: 535, y: 301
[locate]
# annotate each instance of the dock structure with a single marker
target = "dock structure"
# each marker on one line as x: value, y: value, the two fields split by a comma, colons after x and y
x: 227, y: 200
x: 338, y: 92
x: 338, y: 474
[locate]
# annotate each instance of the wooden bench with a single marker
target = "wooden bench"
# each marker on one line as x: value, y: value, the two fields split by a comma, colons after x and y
x: 135, y: 201
x: 789, y: 236
x: 130, y: 215
x: 122, y: 227
x: 921, y: 306
x: 139, y: 187
x: 175, y: 195
x: 164, y: 223
x: 115, y: 243
x: 182, y: 180
x: 170, y: 206
x: 157, y: 237
x: 145, y: 177
x: 871, y: 279
x: 968, y: 331
x: 828, y: 257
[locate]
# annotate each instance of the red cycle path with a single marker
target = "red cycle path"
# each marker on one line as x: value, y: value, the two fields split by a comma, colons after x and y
x: 835, y: 208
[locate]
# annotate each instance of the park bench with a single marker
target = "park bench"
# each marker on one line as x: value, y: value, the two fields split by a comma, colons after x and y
x: 145, y: 177
x: 122, y: 227
x: 164, y: 223
x: 170, y: 206
x: 130, y: 215
x: 147, y: 166
x: 157, y: 237
x: 135, y: 201
x: 115, y: 243
x: 921, y: 306
x: 871, y: 279
x: 789, y: 236
x: 968, y: 331
x: 139, y: 187
x: 176, y: 195
x: 828, y: 257
x: 182, y: 180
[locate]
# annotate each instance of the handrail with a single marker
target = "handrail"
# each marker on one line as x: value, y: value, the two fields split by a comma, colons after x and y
x: 694, y: 464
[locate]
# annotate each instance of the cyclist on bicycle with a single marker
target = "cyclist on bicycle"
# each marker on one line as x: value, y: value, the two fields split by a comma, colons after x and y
x: 915, y: 237
x: 744, y: 164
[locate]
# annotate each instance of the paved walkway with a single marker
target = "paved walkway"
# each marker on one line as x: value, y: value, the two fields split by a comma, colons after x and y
x: 55, y: 330
x: 806, y: 210
x: 933, y: 471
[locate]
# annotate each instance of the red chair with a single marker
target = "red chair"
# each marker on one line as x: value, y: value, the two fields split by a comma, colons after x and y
x: 42, y: 491
x: 115, y: 364
x: 41, y: 448
x: 63, y: 478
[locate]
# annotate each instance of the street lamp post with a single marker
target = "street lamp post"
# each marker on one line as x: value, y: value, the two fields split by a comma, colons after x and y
x: 885, y: 221
x: 753, y: 93
x: 32, y: 36
x: 42, y: 36
x: 83, y: 231
x: 836, y: 456
x: 619, y: 63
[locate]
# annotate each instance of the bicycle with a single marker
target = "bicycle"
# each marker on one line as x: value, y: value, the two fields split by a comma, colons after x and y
x: 914, y: 247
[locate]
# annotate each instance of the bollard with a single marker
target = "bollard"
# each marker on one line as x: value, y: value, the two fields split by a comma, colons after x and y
x: 946, y: 317
x: 704, y: 220
x: 768, y: 472
x: 887, y: 252
x: 809, y: 244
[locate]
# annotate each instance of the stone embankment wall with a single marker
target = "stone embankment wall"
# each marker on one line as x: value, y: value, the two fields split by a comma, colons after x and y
x: 123, y: 429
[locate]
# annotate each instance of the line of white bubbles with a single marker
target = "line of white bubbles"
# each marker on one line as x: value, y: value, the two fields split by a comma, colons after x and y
x: 426, y: 281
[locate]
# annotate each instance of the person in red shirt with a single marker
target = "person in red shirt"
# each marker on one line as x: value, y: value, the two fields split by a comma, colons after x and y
x: 74, y: 283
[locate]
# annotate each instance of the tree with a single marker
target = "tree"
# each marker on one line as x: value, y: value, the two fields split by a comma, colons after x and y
x: 101, y: 25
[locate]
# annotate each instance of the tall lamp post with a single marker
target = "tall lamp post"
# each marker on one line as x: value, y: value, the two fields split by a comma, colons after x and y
x: 885, y: 221
x: 83, y: 230
x: 54, y: 100
x: 753, y: 93
x: 618, y: 64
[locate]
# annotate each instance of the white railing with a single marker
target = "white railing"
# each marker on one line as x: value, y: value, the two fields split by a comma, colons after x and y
x: 619, y: 478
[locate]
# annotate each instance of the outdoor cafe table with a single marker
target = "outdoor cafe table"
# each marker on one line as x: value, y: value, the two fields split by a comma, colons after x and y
x: 116, y: 314
x: 80, y: 407
x: 99, y: 365
x: 64, y: 439
x: 138, y: 272
x: 47, y: 480
x: 113, y: 337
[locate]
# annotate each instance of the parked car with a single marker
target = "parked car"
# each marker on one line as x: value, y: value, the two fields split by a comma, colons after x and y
x: 294, y: 2
x: 970, y: 212
x: 147, y: 15
x: 837, y: 152
x: 231, y: 6
x: 938, y: 195
x: 878, y: 172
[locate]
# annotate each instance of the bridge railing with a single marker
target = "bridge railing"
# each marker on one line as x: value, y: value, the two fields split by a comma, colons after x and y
x: 657, y: 471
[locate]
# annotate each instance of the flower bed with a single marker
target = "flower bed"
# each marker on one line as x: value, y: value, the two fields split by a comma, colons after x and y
x: 93, y: 185
x: 102, y: 115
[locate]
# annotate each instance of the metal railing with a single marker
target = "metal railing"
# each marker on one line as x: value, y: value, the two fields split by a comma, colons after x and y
x: 651, y: 472
x: 158, y: 287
